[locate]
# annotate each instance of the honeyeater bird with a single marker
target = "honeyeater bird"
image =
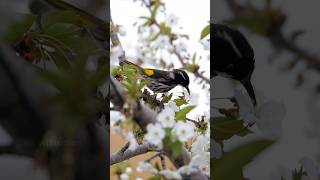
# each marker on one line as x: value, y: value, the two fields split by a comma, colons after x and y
x: 161, y: 81
x: 232, y: 56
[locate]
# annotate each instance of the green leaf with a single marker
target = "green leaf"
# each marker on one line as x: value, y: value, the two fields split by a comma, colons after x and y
x: 156, y: 177
x: 181, y: 115
x: 181, y: 101
x: 55, y: 78
x: 155, y: 10
x: 157, y: 166
x: 165, y: 29
x: 53, y: 17
x: 166, y: 99
x: 144, y: 17
x: 194, y: 58
x: 176, y: 148
x: 190, y: 67
x: 100, y: 76
x: 81, y: 46
x: 225, y: 127
x: 205, y: 32
x: 62, y: 30
x: 154, y: 37
x: 59, y: 60
x: 20, y: 24
x: 236, y: 159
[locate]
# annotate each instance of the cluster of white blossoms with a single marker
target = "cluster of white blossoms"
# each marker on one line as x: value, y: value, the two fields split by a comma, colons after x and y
x: 183, y: 131
x: 168, y: 174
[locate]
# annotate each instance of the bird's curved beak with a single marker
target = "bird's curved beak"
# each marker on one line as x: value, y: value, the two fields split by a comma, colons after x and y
x: 248, y: 86
x: 188, y: 89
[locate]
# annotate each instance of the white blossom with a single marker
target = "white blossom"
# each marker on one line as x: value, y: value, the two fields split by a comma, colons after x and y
x: 202, y: 161
x: 115, y: 117
x: 128, y: 170
x: 268, y: 115
x: 181, y: 44
x: 192, y: 98
x: 115, y: 53
x: 145, y: 166
x: 172, y: 105
x: 187, y: 169
x: 172, y: 20
x: 146, y: 32
x: 121, y: 31
x: 183, y: 131
x: 166, y: 118
x: 132, y: 141
x: 170, y: 174
x: 161, y: 42
x: 200, y: 145
x: 124, y: 176
x: 216, y: 149
x: 313, y: 107
x: 155, y: 134
x: 206, y: 44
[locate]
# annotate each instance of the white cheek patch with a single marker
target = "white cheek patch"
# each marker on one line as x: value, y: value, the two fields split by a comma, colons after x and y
x: 230, y: 40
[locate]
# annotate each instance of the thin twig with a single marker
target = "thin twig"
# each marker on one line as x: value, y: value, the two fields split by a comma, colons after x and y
x: 153, y: 157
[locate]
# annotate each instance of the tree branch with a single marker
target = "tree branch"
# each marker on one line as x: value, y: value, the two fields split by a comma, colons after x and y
x: 143, y: 115
x: 127, y: 154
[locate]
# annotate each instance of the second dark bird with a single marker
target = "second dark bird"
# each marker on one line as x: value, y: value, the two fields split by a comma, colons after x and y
x: 232, y: 56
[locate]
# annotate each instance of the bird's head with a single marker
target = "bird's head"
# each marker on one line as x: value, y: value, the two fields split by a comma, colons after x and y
x: 181, y: 78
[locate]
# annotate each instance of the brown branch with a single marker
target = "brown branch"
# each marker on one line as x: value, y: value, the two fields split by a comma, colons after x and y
x: 127, y: 154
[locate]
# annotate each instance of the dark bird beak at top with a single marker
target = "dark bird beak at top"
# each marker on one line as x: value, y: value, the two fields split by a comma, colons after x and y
x: 248, y: 86
x: 188, y: 89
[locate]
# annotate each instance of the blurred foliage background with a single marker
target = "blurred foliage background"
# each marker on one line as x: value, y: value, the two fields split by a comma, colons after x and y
x: 55, y: 66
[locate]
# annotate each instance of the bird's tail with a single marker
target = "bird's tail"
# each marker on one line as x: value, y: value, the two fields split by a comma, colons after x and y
x: 137, y: 67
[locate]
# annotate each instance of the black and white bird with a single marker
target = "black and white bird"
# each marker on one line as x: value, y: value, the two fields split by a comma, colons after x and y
x: 232, y: 56
x: 161, y: 81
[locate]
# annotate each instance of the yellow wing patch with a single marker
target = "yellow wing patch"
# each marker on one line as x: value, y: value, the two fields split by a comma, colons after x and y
x: 148, y: 72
